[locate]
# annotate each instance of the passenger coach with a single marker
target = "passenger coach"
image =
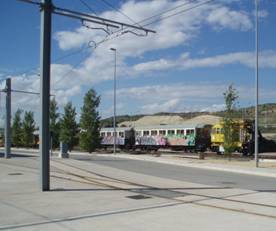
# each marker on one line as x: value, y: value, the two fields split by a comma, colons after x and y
x: 187, y: 137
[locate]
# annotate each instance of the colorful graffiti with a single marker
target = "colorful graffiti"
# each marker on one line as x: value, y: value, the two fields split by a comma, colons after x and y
x: 109, y: 140
x: 151, y: 140
x: 177, y: 140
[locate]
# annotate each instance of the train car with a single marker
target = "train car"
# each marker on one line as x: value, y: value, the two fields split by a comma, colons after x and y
x: 187, y: 137
x: 125, y: 137
x: 243, y: 134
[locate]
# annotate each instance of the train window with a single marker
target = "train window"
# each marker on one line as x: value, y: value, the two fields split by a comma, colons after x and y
x: 180, y: 132
x: 153, y: 133
x: 146, y: 133
x: 190, y: 131
x: 171, y: 132
x: 121, y: 134
x: 102, y: 134
x: 162, y: 132
x: 138, y: 133
x: 108, y: 134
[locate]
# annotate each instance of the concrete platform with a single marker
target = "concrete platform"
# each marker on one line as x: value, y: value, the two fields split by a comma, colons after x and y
x: 87, y: 196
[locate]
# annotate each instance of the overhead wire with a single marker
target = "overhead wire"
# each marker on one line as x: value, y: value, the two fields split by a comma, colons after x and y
x: 166, y: 11
x: 132, y: 31
x: 88, y: 7
x: 117, y: 33
x: 119, y: 11
x: 77, y: 63
x: 159, y: 14
x: 135, y: 23
x: 180, y: 12
x: 19, y: 74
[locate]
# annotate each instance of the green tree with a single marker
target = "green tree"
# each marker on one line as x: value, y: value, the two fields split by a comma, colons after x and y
x: 90, y: 122
x: 28, y: 128
x: 68, y: 126
x: 17, y: 129
x: 54, y: 123
x: 229, y: 131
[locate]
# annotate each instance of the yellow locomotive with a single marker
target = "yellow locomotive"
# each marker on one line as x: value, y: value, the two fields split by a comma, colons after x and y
x: 243, y: 134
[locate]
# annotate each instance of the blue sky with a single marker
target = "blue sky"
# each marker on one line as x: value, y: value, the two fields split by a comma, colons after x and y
x: 185, y: 66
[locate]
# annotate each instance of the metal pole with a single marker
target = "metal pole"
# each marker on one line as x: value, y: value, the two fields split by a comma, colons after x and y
x: 114, y: 116
x: 257, y: 84
x: 8, y: 120
x: 45, y: 63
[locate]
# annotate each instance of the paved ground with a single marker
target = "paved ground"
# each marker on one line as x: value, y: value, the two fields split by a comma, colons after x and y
x: 189, y: 174
x: 89, y: 195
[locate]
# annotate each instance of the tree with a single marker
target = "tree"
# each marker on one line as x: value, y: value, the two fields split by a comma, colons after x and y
x: 54, y: 123
x: 90, y: 122
x: 229, y: 131
x: 28, y: 128
x: 68, y: 126
x: 17, y: 129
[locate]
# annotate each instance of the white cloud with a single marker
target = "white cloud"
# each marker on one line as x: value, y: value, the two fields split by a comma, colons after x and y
x: 267, y: 59
x: 182, y: 97
x: 169, y: 105
x: 224, y: 18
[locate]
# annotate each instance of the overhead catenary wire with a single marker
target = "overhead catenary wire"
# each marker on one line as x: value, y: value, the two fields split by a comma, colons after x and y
x: 88, y: 7
x: 132, y: 31
x: 161, y: 13
x: 119, y: 11
x: 179, y: 12
x: 117, y: 33
x: 19, y: 74
x: 68, y: 72
x: 86, y: 17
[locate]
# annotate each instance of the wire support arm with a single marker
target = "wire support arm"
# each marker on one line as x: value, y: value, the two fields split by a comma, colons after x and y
x: 88, y: 16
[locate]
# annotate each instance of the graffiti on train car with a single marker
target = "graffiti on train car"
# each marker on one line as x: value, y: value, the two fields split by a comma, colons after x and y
x: 181, y: 140
x: 109, y: 140
x: 151, y: 140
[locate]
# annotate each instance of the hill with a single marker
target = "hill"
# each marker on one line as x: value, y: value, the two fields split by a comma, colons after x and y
x: 267, y: 116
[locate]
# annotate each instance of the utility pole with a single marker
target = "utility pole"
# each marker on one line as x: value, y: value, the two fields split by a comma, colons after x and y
x: 45, y: 67
x: 257, y: 84
x: 114, y: 116
x: 8, y: 119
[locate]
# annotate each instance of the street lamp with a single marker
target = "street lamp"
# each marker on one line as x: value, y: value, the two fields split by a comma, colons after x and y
x: 114, y: 115
x: 257, y: 83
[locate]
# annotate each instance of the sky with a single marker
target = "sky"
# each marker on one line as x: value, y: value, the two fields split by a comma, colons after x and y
x: 186, y: 66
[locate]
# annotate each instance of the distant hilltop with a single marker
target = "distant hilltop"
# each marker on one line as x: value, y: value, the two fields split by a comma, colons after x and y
x: 169, y: 120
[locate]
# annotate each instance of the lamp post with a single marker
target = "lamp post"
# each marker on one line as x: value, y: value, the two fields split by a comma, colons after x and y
x: 114, y: 103
x: 256, y: 83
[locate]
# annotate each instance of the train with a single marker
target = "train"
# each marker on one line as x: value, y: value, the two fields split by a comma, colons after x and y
x: 186, y: 137
x: 243, y: 131
x: 197, y: 137
x: 244, y: 138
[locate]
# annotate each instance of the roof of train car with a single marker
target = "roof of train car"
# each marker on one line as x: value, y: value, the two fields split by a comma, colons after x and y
x: 174, y: 126
x: 158, y: 127
x: 118, y: 129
